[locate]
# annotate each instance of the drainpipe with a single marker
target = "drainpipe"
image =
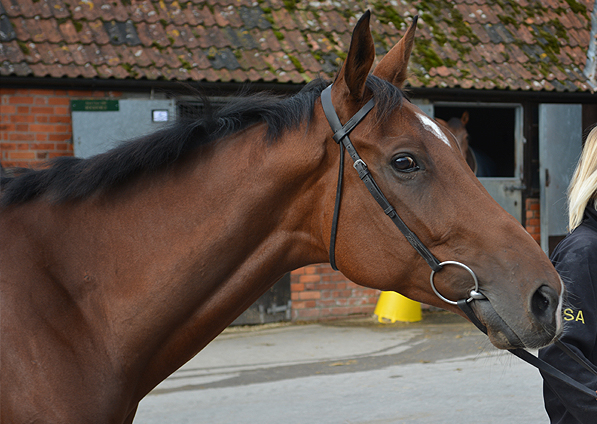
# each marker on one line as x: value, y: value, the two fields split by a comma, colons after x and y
x: 591, y: 65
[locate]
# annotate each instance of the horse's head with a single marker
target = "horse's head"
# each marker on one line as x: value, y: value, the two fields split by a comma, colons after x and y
x: 457, y: 126
x: 419, y: 169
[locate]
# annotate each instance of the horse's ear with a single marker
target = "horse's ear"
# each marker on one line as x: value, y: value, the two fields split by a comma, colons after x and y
x: 359, y: 61
x: 393, y: 67
x: 464, y: 118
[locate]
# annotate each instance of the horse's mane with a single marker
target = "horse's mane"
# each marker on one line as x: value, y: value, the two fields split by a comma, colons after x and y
x: 69, y: 178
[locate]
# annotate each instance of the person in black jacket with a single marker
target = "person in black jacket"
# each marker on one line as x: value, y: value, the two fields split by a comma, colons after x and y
x: 575, y: 259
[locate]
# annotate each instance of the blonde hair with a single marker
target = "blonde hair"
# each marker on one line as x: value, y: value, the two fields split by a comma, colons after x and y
x: 583, y: 187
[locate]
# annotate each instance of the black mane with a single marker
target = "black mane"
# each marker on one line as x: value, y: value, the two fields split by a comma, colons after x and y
x: 69, y: 178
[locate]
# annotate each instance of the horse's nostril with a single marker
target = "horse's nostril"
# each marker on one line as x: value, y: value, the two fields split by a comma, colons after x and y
x: 540, y: 303
x: 544, y: 303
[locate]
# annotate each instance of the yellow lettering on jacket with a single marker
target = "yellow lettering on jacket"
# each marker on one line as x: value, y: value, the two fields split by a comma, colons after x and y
x: 570, y: 316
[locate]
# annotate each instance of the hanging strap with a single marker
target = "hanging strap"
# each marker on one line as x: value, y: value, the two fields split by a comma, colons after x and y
x: 341, y: 137
x: 535, y: 361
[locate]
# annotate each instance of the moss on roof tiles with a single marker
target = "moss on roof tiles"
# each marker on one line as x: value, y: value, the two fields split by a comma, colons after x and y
x: 448, y: 49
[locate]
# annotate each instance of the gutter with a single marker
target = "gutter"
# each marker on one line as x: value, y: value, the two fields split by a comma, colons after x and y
x: 181, y: 88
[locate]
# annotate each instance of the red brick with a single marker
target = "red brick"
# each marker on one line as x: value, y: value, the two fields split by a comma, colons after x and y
x: 62, y: 110
x: 40, y: 109
x: 42, y: 146
x: 297, y: 287
x: 22, y: 109
x: 41, y: 128
x: 298, y: 305
x: 8, y: 146
x: 41, y: 137
x: 22, y: 118
x: 8, y: 127
x: 59, y: 119
x: 40, y: 101
x: 20, y: 100
x: 63, y: 101
x: 21, y: 137
x: 59, y: 137
x: 63, y: 146
x: 312, y: 278
x: 7, y: 109
x: 309, y: 295
x: 21, y: 155
x: 305, y: 314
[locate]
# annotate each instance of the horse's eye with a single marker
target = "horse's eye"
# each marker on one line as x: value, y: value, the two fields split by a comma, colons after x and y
x: 405, y: 164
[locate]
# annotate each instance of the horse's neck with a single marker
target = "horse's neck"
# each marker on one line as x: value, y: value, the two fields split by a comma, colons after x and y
x: 181, y: 257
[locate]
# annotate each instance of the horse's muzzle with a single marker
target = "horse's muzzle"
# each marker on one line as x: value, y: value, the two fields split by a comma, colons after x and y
x: 544, y: 326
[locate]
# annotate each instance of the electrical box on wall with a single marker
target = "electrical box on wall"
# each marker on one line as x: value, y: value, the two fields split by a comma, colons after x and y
x: 100, y: 124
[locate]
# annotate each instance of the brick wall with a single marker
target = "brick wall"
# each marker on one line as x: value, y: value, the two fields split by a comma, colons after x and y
x: 35, y: 124
x: 533, y: 218
x: 318, y: 292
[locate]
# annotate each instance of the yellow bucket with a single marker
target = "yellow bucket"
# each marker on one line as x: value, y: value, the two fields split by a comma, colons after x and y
x: 392, y: 307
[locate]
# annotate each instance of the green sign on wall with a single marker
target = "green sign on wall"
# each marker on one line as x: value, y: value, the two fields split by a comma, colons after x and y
x: 95, y: 105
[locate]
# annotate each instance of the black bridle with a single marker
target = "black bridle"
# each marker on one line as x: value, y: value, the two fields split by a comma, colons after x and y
x: 341, y: 137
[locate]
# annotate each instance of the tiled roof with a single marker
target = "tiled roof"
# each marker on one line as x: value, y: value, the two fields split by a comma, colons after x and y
x: 482, y: 44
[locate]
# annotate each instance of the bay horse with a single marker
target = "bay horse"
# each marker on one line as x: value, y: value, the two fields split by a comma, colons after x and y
x: 117, y: 269
x: 457, y: 126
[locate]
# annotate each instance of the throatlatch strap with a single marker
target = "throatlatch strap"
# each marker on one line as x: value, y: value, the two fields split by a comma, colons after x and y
x: 336, y: 211
x: 341, y: 137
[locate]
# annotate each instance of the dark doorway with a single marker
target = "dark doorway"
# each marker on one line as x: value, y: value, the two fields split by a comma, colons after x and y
x: 491, y: 136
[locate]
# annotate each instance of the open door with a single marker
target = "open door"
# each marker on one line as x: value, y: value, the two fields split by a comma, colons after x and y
x: 496, y: 138
x: 560, y: 145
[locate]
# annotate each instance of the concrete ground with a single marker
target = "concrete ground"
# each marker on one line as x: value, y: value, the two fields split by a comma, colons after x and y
x: 440, y: 370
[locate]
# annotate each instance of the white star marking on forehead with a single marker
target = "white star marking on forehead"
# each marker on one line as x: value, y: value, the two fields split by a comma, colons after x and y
x: 433, y: 128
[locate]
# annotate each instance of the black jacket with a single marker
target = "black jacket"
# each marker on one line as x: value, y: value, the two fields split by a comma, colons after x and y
x: 575, y: 259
